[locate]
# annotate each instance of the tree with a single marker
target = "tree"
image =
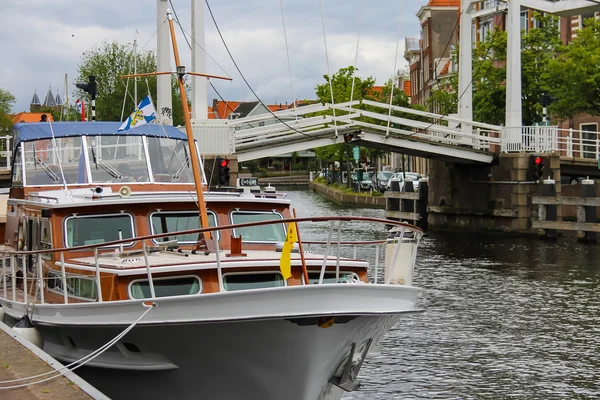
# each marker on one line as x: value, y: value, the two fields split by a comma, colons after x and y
x: 342, y: 82
x: 7, y: 100
x: 108, y: 62
x: 575, y: 76
x: 538, y: 47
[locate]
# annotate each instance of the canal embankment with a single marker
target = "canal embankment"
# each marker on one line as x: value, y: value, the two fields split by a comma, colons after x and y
x: 20, y: 359
x: 348, y: 199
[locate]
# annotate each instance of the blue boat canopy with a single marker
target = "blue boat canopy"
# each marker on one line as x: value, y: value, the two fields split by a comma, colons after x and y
x: 25, y: 132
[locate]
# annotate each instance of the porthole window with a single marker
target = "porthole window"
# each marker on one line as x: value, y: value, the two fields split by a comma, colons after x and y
x: 253, y: 280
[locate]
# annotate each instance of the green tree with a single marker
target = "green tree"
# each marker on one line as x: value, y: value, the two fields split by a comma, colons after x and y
x: 7, y: 100
x: 108, y: 62
x: 539, y: 47
x: 575, y: 75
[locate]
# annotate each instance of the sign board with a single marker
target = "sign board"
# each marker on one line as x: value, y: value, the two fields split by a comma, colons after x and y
x: 599, y: 163
x: 247, y: 182
x: 356, y: 153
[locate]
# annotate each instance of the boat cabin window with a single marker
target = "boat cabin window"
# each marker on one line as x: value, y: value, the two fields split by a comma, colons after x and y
x: 166, y: 287
x: 43, y: 159
x: 77, y: 286
x: 252, y: 280
x: 117, y: 158
x: 174, y: 221
x: 92, y: 229
x: 170, y: 160
x: 17, y: 172
x: 259, y: 233
x: 328, y: 277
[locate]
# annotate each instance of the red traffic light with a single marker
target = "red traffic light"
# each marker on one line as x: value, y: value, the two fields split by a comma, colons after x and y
x: 224, y: 163
x: 538, y: 160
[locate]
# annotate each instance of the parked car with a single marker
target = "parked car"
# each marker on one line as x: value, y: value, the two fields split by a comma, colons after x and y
x: 364, y: 184
x: 380, y: 180
x: 414, y: 176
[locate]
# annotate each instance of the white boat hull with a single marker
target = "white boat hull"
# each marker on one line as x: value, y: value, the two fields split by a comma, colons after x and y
x: 276, y: 346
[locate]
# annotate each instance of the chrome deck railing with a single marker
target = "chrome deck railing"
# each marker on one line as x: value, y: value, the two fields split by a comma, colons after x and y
x: 27, y: 266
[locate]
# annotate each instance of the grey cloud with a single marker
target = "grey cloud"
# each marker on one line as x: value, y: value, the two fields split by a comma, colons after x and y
x: 252, y: 29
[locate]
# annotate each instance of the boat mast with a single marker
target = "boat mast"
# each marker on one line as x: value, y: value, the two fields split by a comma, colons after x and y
x: 188, y: 130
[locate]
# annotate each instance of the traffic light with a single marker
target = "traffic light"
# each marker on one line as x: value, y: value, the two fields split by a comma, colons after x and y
x: 539, y: 168
x: 348, y: 137
x: 89, y: 87
x: 223, y: 171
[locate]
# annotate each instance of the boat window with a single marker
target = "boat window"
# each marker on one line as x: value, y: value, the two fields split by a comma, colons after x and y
x: 166, y: 287
x: 174, y: 221
x: 17, y: 172
x: 259, y: 233
x: 252, y: 280
x: 170, y: 160
x: 328, y: 277
x: 117, y: 158
x: 44, y: 157
x: 77, y: 286
x: 92, y: 229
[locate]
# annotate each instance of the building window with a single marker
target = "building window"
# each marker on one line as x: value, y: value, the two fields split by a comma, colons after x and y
x: 525, y: 21
x: 589, y: 136
x: 485, y: 29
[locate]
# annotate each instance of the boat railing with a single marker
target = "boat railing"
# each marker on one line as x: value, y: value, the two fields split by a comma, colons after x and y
x: 23, y: 270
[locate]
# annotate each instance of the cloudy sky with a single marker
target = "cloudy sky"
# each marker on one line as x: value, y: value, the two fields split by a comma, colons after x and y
x: 42, y: 40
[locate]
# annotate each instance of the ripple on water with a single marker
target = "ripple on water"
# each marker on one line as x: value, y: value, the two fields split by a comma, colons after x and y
x: 505, y: 318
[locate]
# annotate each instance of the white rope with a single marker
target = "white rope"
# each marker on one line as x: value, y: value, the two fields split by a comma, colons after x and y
x: 328, y: 72
x: 387, y: 132
x: 82, y: 361
x: 288, y: 55
x: 362, y: 7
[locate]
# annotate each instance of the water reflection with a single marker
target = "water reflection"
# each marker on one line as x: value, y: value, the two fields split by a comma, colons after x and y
x: 505, y: 317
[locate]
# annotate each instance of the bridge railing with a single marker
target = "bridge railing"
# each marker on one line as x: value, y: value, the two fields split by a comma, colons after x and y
x: 571, y: 143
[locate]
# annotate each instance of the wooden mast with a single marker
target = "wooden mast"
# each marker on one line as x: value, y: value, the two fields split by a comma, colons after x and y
x: 188, y: 130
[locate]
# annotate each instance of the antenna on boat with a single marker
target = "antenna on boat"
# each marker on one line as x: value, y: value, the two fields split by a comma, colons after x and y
x: 181, y: 72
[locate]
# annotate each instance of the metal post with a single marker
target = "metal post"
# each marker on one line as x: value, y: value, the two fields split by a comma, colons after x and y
x: 326, y: 255
x: 549, y: 189
x: 98, y: 274
x: 4, y: 274
x: 63, y: 276
x: 24, y: 264
x: 337, y: 253
x: 376, y: 264
x: 41, y: 278
x: 587, y: 214
x: 14, y: 278
x: 150, y: 281
x: 218, y: 258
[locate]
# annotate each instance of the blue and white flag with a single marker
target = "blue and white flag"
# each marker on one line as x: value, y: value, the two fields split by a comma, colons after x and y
x: 143, y: 114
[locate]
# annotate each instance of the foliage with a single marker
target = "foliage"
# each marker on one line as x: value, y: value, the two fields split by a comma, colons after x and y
x: 252, y: 165
x: 341, y: 82
x: 320, y: 179
x: 7, y: 100
x: 538, y: 48
x: 575, y: 75
x: 108, y: 62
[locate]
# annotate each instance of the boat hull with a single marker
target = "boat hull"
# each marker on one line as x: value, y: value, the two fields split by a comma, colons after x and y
x: 180, y: 350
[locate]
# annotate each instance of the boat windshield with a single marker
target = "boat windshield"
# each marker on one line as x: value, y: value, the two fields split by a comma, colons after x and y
x: 106, y: 159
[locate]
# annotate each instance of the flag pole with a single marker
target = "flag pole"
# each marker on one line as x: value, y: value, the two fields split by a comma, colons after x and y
x: 304, y: 271
x: 191, y: 143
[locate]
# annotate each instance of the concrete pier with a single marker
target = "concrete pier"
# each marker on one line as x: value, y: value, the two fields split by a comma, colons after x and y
x: 21, y: 359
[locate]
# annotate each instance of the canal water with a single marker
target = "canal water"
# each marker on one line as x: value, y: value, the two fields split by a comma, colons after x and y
x: 504, y: 318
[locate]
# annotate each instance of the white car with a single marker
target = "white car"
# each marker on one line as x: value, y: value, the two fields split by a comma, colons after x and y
x: 399, y: 176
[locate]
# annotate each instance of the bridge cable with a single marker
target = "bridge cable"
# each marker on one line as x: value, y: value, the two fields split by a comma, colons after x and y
x: 487, y: 53
x: 387, y: 132
x: 360, y: 15
x: 288, y: 56
x: 244, y: 78
x: 328, y: 72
